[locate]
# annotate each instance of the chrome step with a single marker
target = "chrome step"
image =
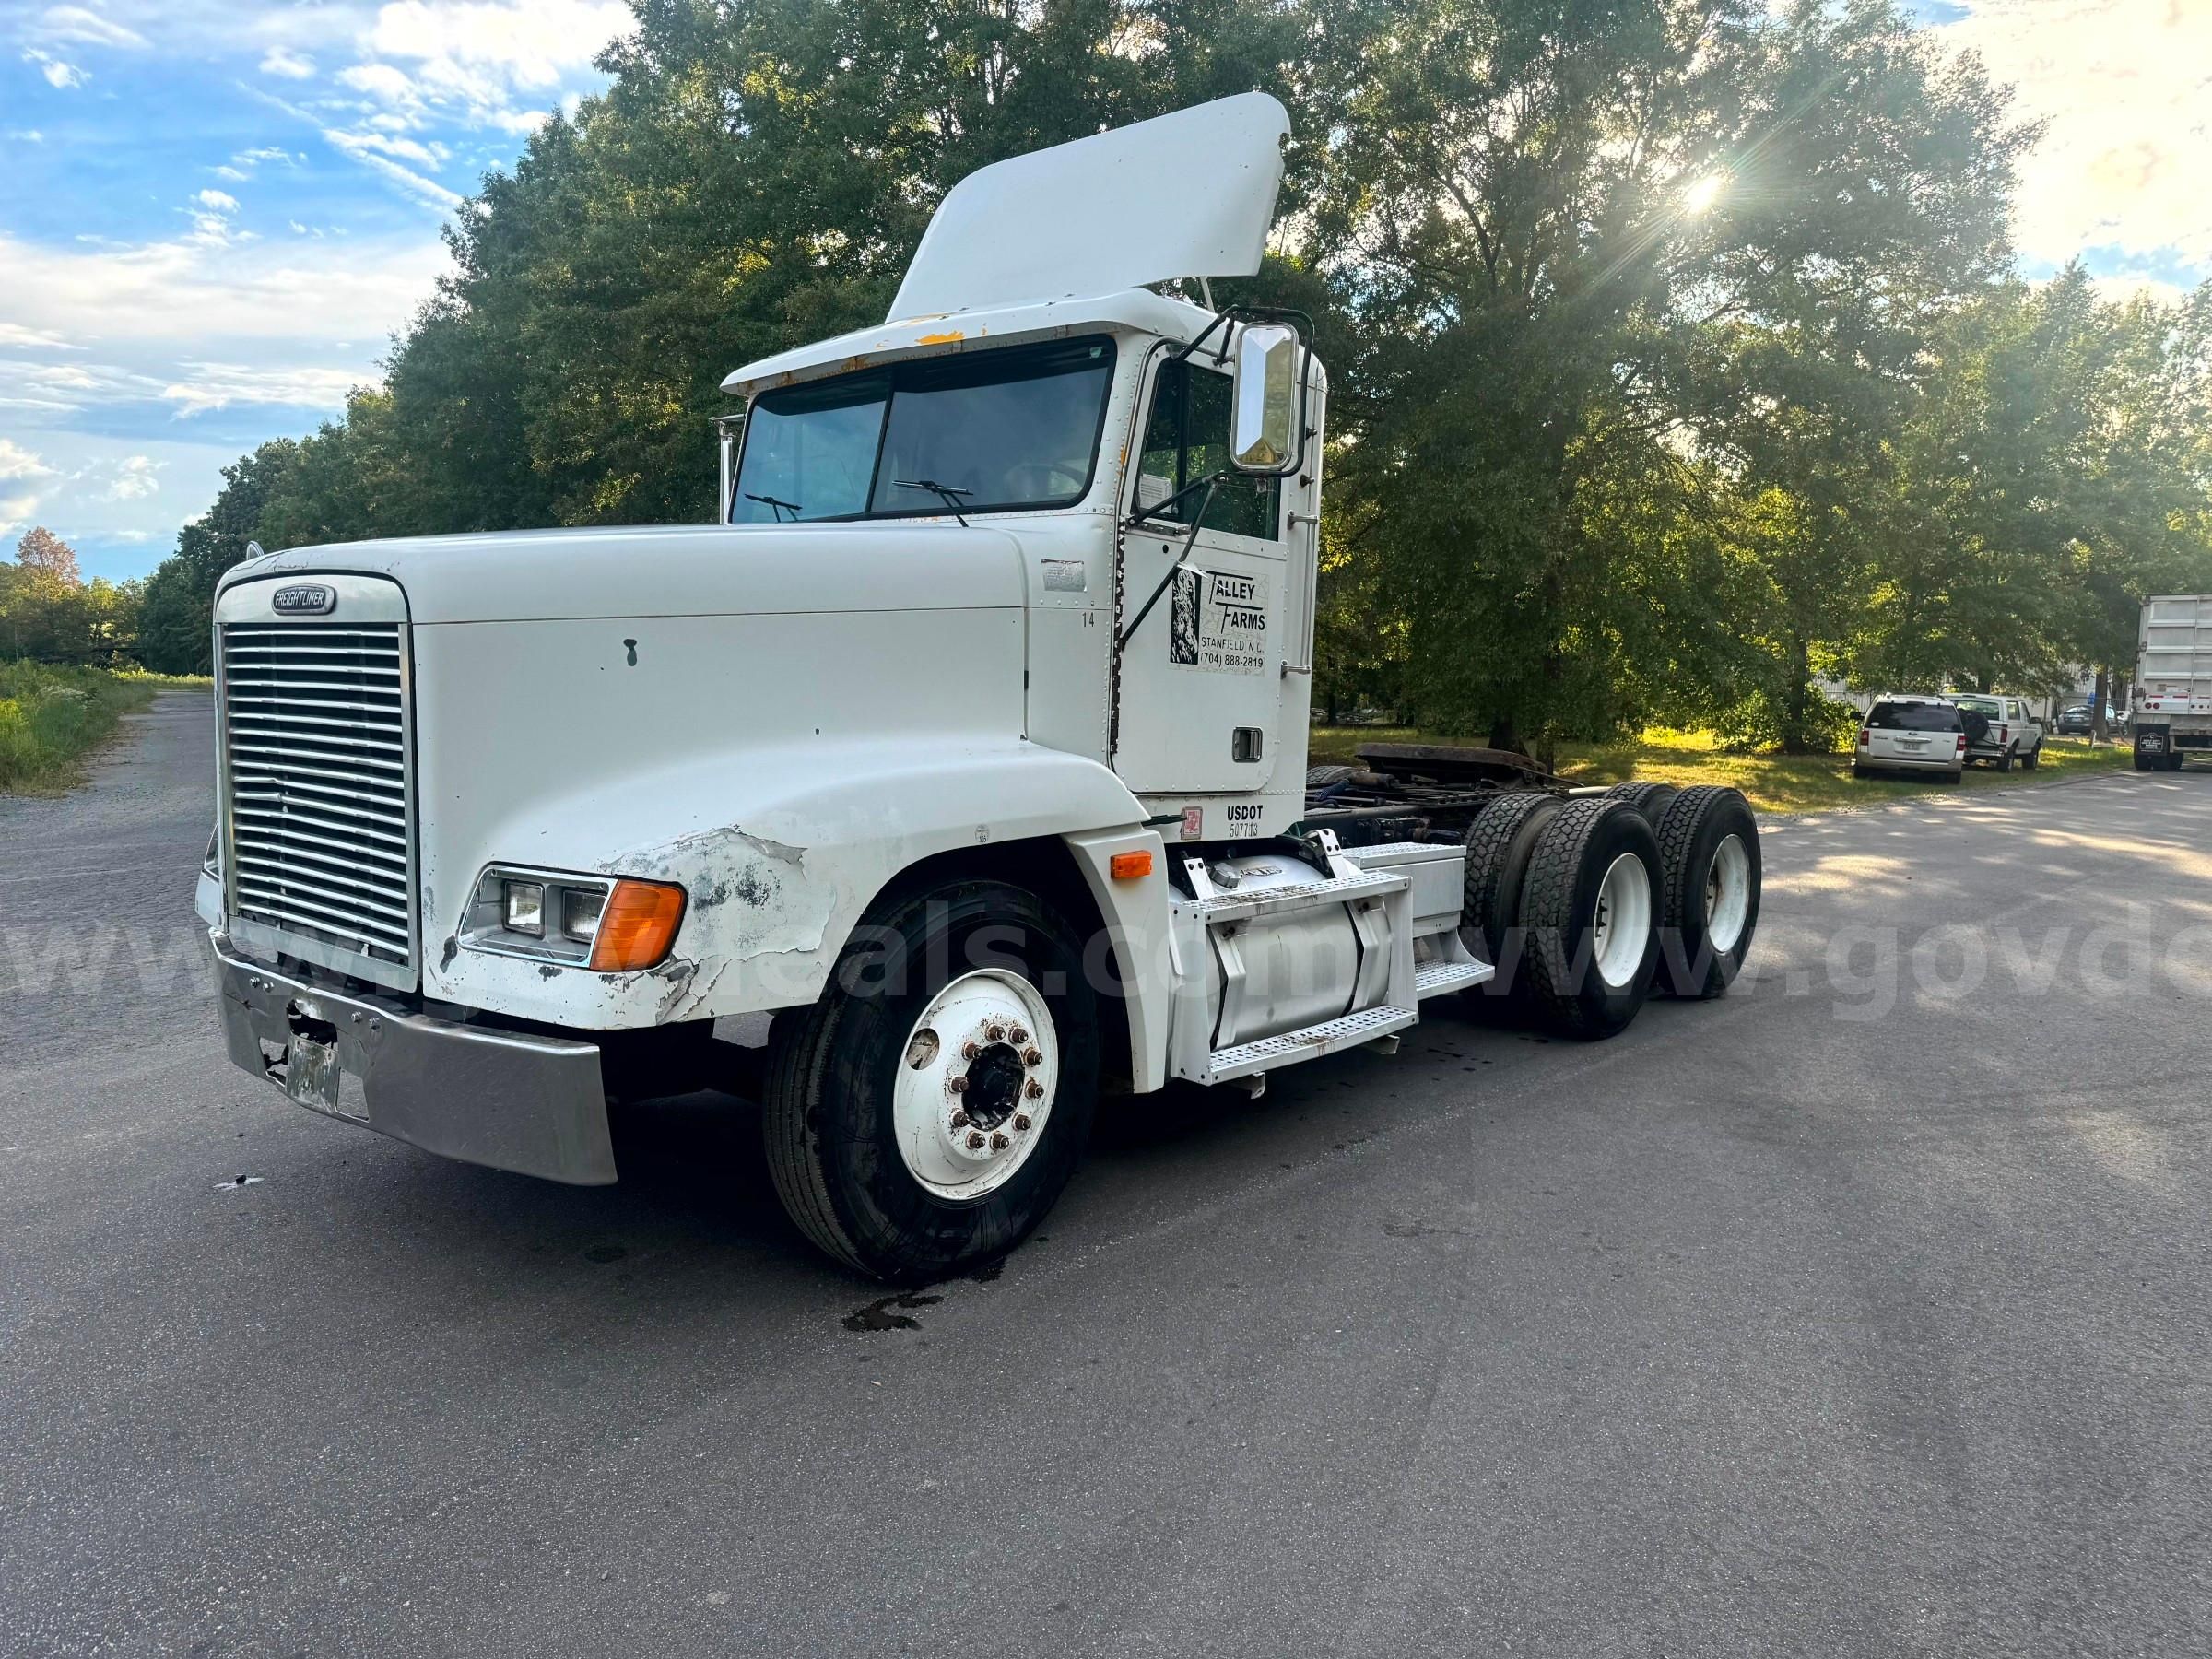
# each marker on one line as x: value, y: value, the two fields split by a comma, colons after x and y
x: 1226, y: 908
x: 1433, y: 979
x: 1309, y: 1042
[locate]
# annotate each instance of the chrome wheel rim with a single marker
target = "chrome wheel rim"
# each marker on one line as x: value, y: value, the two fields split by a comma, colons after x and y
x: 976, y: 1083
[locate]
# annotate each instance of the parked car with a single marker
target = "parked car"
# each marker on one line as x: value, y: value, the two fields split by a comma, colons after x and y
x: 1911, y: 733
x: 2080, y: 720
x: 1999, y: 729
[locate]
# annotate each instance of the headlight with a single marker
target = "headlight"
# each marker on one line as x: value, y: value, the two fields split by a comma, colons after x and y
x: 607, y: 923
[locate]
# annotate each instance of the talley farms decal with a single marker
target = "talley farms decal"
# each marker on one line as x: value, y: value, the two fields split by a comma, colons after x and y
x: 1220, y: 621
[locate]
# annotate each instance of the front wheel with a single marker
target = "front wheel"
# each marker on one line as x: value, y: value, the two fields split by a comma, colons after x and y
x: 925, y: 1114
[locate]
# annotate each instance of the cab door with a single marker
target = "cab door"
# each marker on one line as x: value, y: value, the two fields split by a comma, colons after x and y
x: 1199, y: 688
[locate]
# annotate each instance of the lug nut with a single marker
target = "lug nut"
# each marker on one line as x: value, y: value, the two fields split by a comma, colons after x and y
x: 958, y: 1085
x: 968, y: 1051
x: 1034, y: 1090
x: 996, y: 1033
x: 961, y: 1119
x: 975, y: 1140
x: 999, y: 1143
x: 1017, y: 1035
x: 1021, y: 1122
x: 1031, y: 1057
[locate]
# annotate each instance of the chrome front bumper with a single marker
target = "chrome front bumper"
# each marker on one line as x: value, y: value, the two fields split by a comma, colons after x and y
x: 534, y: 1105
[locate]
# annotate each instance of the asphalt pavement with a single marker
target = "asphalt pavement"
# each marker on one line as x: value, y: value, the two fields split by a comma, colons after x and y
x: 1864, y: 1311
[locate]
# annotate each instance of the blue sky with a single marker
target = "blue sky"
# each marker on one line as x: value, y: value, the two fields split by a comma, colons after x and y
x: 214, y: 217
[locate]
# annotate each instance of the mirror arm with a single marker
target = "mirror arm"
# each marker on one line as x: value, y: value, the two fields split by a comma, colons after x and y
x: 1159, y: 508
x: 1189, y: 542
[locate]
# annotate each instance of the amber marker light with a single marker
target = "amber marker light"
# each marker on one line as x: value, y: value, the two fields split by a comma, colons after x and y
x: 637, y: 927
x: 1130, y: 866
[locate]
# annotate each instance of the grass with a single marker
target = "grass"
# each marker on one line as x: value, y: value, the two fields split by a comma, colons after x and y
x: 1773, y: 783
x: 51, y: 718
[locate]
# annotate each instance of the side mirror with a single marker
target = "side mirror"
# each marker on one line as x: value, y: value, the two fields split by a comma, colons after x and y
x: 1265, y: 407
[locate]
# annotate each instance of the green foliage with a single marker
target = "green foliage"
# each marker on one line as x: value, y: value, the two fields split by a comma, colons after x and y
x: 49, y: 619
x: 50, y: 717
x: 1677, y: 360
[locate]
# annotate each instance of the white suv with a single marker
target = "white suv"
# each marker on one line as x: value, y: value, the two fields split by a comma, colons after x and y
x: 2007, y: 730
x: 1909, y: 733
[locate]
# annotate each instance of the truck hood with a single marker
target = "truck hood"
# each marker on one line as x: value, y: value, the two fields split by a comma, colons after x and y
x: 678, y: 571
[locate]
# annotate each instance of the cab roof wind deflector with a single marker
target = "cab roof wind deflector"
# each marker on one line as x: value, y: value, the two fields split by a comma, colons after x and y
x: 1087, y: 216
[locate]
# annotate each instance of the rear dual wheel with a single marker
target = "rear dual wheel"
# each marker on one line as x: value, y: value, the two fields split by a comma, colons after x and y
x: 1589, y: 906
x: 1708, y: 902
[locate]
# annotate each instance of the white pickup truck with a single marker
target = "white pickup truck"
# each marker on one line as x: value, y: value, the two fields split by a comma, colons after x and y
x: 970, y: 741
x: 2174, y: 681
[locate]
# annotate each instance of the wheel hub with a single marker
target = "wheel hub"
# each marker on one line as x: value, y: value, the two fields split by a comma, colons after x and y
x: 976, y: 1085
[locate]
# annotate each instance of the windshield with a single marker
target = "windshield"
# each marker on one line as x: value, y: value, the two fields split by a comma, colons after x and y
x: 1914, y: 717
x: 997, y: 430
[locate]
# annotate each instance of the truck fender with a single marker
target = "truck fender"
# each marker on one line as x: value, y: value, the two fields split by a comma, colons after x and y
x: 782, y: 850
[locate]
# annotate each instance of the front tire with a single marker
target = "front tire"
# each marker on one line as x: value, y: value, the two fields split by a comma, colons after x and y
x: 925, y: 1114
x: 2033, y: 757
x: 1588, y: 912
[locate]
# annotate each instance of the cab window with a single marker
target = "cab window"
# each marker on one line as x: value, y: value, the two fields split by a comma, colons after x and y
x: 1185, y: 440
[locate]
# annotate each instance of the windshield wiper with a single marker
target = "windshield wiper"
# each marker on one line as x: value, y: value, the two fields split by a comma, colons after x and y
x: 774, y: 505
x: 944, y: 492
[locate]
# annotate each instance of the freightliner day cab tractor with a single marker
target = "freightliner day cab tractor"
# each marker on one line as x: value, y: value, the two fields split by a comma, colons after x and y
x: 970, y: 742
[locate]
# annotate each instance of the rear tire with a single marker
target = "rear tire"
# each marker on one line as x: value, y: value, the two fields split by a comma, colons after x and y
x: 2004, y: 761
x: 857, y: 1083
x: 1323, y: 777
x: 1650, y: 799
x: 1588, y: 911
x: 2146, y: 762
x: 1498, y: 843
x: 1709, y: 856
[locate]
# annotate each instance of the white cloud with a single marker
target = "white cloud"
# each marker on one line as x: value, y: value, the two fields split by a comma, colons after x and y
x: 364, y: 146
x: 216, y: 200
x: 289, y: 64
x: 27, y: 136
x: 60, y: 73
x: 23, y: 477
x: 208, y: 386
x: 133, y: 477
x: 81, y: 27
x: 15, y: 336
x: 19, y: 466
x: 2122, y: 86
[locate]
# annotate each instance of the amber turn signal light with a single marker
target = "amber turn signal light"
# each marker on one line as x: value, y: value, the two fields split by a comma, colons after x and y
x: 637, y: 927
x: 1129, y: 866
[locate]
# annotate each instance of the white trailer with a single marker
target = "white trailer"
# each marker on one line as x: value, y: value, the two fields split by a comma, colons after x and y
x: 2174, y: 681
x: 969, y: 741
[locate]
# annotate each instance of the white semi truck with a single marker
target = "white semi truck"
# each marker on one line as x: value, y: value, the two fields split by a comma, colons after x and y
x: 2172, y: 715
x: 970, y: 742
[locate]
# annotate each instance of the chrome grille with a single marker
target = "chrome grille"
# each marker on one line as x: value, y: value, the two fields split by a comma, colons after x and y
x: 315, y: 733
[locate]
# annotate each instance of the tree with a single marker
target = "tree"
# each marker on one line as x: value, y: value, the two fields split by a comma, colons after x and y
x: 41, y: 549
